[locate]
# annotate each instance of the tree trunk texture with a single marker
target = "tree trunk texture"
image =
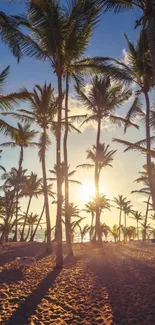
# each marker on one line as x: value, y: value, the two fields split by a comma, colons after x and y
x: 67, y: 217
x: 47, y: 212
x: 148, y: 146
x: 98, y: 227
x: 59, y: 252
x: 17, y: 191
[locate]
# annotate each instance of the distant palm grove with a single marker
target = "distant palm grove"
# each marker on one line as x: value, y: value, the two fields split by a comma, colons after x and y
x: 58, y: 33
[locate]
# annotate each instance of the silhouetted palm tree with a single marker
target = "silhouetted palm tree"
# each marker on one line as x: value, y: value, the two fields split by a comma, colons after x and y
x: 57, y: 28
x: 30, y: 188
x: 120, y: 201
x: 140, y: 70
x: 137, y: 216
x: 102, y: 157
x: 146, y: 9
x: 115, y: 232
x: 21, y: 138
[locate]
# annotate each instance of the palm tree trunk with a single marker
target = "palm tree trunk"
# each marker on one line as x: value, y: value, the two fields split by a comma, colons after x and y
x: 67, y: 217
x: 120, y: 217
x: 151, y: 34
x: 28, y: 233
x: 146, y: 216
x: 59, y: 253
x: 17, y: 191
x: 137, y: 231
x: 125, y: 226
x: 35, y: 230
x: 98, y: 228
x: 148, y: 146
x: 25, y: 220
x: 47, y: 212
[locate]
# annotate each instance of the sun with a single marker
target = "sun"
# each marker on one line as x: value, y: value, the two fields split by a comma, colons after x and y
x: 87, y: 191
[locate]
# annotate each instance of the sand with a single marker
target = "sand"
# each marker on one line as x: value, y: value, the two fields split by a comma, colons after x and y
x: 114, y: 285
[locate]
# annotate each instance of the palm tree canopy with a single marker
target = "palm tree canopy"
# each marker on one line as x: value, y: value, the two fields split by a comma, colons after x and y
x: 102, y: 100
x: 22, y: 137
x: 62, y: 32
x: 120, y: 201
x: 62, y: 171
x: 31, y: 185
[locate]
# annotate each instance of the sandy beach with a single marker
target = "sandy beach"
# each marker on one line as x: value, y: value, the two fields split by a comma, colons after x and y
x: 114, y: 285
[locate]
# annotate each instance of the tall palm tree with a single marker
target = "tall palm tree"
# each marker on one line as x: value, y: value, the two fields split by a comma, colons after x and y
x: 140, y: 71
x: 137, y: 216
x: 120, y: 201
x: 146, y: 8
x: 101, y: 157
x: 57, y: 28
x: 30, y: 188
x: 43, y: 111
x: 21, y: 138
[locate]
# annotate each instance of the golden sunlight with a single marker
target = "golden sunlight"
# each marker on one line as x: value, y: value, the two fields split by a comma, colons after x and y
x: 87, y: 191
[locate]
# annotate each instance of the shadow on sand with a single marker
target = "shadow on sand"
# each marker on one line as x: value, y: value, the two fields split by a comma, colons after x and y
x: 27, y: 308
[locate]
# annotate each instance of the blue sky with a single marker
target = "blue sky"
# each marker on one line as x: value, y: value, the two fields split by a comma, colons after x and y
x: 107, y: 40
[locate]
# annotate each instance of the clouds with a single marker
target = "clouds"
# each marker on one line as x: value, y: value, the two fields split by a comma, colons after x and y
x: 125, y: 56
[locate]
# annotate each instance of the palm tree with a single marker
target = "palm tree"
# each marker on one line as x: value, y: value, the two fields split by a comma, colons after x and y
x: 115, y: 232
x: 131, y: 232
x: 140, y: 71
x: 146, y: 7
x: 145, y: 227
x: 31, y: 220
x: 54, y: 171
x: 21, y: 138
x: 1, y: 167
x: 137, y: 216
x: 83, y: 231
x: 127, y: 208
x: 43, y: 110
x: 120, y: 201
x: 30, y: 188
x: 105, y: 230
x: 101, y: 158
x: 90, y: 207
x: 57, y: 28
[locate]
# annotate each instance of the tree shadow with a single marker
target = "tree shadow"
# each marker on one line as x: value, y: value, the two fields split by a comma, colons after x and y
x: 8, y: 253
x: 28, y: 307
x: 11, y: 276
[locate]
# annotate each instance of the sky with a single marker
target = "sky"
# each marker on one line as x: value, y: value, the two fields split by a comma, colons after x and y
x: 107, y: 40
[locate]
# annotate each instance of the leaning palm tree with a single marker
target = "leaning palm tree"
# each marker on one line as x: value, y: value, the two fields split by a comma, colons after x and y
x: 146, y: 9
x: 30, y: 188
x: 21, y: 138
x: 120, y: 201
x: 137, y: 216
x: 101, y: 157
x: 140, y: 71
